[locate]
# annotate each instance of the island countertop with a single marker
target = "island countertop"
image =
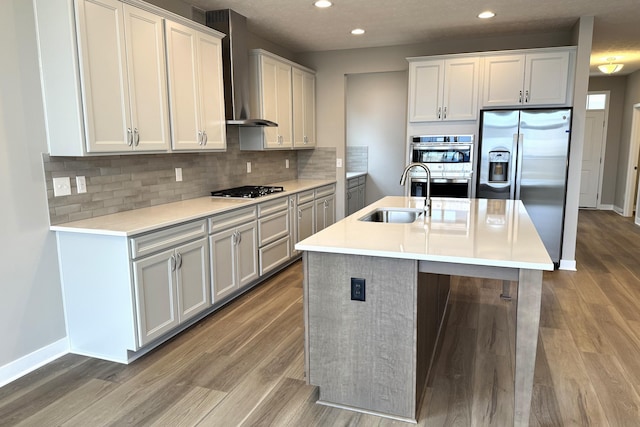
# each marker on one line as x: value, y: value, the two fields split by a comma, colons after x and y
x: 496, y: 233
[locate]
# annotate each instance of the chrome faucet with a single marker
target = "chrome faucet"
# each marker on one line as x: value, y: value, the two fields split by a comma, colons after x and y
x: 407, y: 191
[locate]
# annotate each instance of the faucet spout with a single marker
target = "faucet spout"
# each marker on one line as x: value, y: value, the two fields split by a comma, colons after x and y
x: 403, y: 180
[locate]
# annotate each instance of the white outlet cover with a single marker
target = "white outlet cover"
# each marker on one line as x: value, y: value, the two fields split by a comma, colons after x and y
x: 81, y: 184
x: 248, y: 167
x: 61, y: 186
x: 338, y: 163
x: 178, y: 174
x: 286, y: 163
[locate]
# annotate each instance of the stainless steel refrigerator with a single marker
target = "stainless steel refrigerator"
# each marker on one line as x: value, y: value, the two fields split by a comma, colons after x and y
x: 523, y: 155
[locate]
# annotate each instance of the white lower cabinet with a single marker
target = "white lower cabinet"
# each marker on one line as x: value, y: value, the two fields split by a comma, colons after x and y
x: 171, y: 287
x: 302, y: 216
x: 273, y: 234
x: 234, y: 257
x: 325, y: 202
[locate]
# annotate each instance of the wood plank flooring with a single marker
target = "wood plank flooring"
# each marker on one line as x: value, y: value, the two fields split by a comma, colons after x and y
x: 244, y: 364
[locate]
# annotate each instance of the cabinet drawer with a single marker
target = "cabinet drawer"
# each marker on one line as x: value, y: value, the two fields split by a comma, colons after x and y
x: 325, y: 191
x: 159, y: 240
x: 231, y: 219
x: 267, y: 208
x: 274, y: 254
x: 353, y: 182
x: 305, y: 196
x: 362, y: 179
x: 273, y: 227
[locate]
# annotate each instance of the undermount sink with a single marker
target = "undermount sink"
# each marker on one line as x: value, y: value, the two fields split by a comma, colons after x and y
x: 391, y: 215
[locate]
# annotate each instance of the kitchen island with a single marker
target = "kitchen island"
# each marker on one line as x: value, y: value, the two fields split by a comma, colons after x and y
x: 375, y: 295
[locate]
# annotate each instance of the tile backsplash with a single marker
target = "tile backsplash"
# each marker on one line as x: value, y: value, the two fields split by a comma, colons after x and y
x: 123, y: 182
x: 357, y: 158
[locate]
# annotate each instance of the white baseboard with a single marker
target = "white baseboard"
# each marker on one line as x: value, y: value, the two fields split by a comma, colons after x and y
x: 32, y: 361
x: 605, y: 207
x: 618, y: 210
x: 568, y: 264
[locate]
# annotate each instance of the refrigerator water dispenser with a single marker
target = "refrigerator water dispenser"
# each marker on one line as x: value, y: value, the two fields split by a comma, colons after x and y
x: 499, y: 166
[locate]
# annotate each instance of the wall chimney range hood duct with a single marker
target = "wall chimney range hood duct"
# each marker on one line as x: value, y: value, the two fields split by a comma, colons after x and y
x: 235, y: 61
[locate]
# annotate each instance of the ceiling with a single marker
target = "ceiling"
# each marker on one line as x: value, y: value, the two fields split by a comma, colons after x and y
x: 300, y: 27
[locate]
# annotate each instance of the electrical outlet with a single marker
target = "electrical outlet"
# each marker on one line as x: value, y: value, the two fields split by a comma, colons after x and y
x: 286, y: 163
x: 338, y: 163
x: 357, y: 289
x: 61, y: 186
x: 178, y: 174
x: 81, y: 184
x: 248, y: 167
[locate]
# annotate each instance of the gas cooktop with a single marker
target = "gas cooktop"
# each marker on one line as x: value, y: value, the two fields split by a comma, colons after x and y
x: 248, y: 191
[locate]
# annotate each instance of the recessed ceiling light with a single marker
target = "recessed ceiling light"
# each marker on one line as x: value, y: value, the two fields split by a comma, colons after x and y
x: 322, y: 3
x: 486, y: 15
x: 357, y: 31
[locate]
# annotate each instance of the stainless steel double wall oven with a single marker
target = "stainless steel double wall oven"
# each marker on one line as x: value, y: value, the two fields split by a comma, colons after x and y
x: 450, y: 160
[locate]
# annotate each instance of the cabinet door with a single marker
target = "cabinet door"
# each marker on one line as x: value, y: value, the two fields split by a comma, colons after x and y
x: 546, y: 78
x: 211, y: 95
x: 156, y: 299
x: 303, y: 86
x: 284, y: 105
x: 503, y: 80
x: 460, y: 96
x: 325, y: 212
x: 103, y: 75
x: 361, y: 196
x: 306, y: 221
x: 352, y: 200
x: 269, y: 99
x: 183, y: 86
x: 144, y: 38
x: 192, y: 274
x: 223, y: 263
x: 426, y: 79
x: 247, y: 254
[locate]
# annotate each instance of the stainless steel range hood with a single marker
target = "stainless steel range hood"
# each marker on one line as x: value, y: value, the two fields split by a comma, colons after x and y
x: 235, y: 59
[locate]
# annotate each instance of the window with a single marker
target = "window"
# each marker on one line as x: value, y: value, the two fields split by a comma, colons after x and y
x: 596, y: 101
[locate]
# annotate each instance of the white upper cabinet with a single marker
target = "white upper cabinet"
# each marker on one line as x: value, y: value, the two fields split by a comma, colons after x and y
x: 443, y: 89
x: 282, y: 92
x: 304, y: 102
x: 103, y: 69
x: 196, y: 89
x: 123, y: 78
x: 528, y: 79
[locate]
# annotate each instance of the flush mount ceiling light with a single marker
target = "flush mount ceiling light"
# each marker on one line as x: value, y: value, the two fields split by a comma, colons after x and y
x: 357, y: 31
x: 610, y: 68
x: 486, y: 15
x: 322, y: 3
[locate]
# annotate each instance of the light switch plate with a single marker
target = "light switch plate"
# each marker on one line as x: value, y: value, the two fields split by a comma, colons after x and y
x: 81, y: 184
x: 286, y: 163
x: 338, y: 163
x: 61, y: 186
x: 248, y: 167
x: 178, y: 174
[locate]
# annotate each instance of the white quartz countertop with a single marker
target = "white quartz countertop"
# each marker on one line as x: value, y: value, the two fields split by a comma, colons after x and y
x: 355, y: 174
x: 469, y: 231
x: 142, y: 220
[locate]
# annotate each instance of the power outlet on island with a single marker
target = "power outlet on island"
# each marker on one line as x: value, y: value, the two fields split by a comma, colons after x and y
x: 357, y: 289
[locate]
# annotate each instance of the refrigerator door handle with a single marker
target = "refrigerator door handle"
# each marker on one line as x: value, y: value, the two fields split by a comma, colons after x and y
x: 519, y: 166
x: 513, y: 164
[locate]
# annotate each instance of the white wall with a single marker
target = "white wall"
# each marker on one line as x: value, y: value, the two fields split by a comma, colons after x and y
x: 376, y: 117
x: 31, y: 313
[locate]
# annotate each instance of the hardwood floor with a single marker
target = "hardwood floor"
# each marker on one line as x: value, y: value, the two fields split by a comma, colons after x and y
x: 244, y: 364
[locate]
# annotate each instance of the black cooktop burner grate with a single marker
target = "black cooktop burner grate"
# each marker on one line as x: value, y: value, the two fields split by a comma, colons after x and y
x: 248, y: 191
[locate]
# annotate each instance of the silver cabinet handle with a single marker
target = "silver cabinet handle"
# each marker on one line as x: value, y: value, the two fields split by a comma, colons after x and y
x: 234, y: 238
x: 129, y: 137
x: 349, y: 195
x: 526, y: 96
x: 439, y: 112
x: 299, y: 213
x: 199, y: 137
x: 173, y: 263
x: 445, y: 112
x: 179, y: 257
x: 136, y: 137
x: 206, y: 138
x: 520, y: 98
x: 239, y: 237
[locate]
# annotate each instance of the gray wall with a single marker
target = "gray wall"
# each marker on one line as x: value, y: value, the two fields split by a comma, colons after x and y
x: 376, y: 118
x: 632, y: 96
x: 31, y: 315
x: 616, y: 85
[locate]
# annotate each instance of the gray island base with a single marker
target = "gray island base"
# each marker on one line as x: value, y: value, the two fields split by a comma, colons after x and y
x: 371, y: 351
